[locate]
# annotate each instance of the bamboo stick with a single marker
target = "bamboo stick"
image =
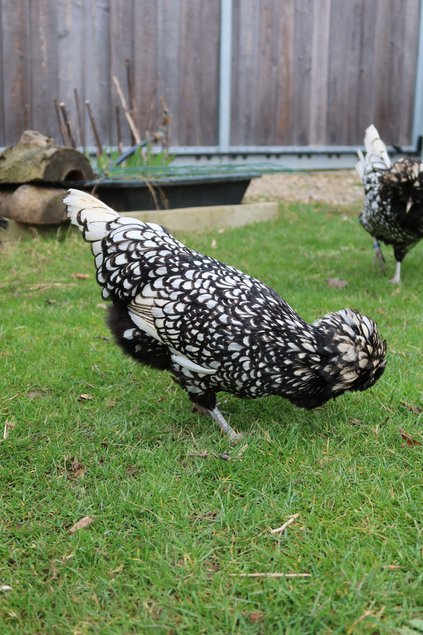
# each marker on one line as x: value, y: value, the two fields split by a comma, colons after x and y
x: 64, y: 112
x: 129, y: 119
x: 94, y: 128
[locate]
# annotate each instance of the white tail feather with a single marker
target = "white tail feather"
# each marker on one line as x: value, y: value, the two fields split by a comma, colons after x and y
x: 375, y: 147
x: 89, y: 214
x: 376, y: 152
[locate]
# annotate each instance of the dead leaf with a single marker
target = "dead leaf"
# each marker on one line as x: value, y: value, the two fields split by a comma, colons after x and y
x: 416, y: 410
x: 8, y: 427
x: 255, y: 616
x: 202, y: 454
x: 213, y: 566
x: 35, y: 394
x: 213, y: 244
x: 77, y: 469
x: 409, y: 440
x: 131, y: 470
x: 100, y: 305
x: 206, y: 516
x: 5, y: 588
x: 80, y: 276
x: 81, y: 524
x: 337, y: 283
x: 110, y: 403
x: 85, y: 397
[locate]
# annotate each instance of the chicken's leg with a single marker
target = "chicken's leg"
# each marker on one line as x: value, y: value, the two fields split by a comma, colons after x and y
x: 224, y: 425
x: 221, y: 422
x: 397, y: 275
x: 379, y: 258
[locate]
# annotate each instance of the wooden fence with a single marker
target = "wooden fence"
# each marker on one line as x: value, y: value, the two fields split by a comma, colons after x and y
x: 304, y: 72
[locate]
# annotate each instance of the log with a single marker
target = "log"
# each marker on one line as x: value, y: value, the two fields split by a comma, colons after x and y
x: 34, y: 205
x: 36, y: 158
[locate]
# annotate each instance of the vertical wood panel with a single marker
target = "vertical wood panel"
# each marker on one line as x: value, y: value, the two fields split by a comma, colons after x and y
x: 44, y: 67
x: 318, y: 106
x: 303, y: 51
x: 344, y: 70
x: 146, y: 45
x: 97, y: 82
x: 14, y: 76
x: 198, y: 87
x: 123, y: 38
x: 394, y: 77
x: 71, y: 58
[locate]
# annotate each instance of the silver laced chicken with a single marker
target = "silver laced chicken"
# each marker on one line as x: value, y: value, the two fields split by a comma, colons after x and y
x: 393, y: 206
x: 215, y: 328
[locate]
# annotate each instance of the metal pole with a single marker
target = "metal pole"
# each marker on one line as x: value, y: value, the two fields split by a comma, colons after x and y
x: 225, y: 74
x: 418, y: 97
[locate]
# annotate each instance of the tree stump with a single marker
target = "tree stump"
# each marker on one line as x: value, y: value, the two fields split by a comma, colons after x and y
x: 36, y: 158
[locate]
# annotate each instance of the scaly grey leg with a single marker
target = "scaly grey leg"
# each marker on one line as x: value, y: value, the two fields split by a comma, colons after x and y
x: 397, y: 275
x: 379, y: 258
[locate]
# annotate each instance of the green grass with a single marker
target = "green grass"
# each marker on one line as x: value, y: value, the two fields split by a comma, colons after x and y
x: 175, y: 521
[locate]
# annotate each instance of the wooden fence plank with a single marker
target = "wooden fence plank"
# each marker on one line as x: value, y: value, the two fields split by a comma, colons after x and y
x: 71, y: 58
x: 123, y: 37
x: 197, y: 85
x: 43, y: 60
x: 97, y: 80
x: 146, y: 79
x: 318, y: 105
x: 15, y: 77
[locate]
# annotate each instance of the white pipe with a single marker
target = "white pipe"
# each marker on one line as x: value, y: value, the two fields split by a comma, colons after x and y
x: 418, y: 97
x: 225, y: 74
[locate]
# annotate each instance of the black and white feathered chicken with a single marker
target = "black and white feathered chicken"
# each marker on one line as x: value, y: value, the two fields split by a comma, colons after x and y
x: 393, y: 207
x: 212, y: 326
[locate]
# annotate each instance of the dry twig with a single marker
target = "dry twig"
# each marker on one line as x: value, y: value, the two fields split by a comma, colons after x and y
x: 282, y: 528
x: 271, y: 575
x: 128, y: 116
x: 94, y: 128
x: 65, y: 116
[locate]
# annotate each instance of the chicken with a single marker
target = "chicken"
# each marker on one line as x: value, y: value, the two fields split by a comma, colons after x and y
x: 212, y: 326
x: 393, y: 208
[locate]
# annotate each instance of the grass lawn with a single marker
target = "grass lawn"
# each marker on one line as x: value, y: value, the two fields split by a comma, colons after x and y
x: 179, y: 517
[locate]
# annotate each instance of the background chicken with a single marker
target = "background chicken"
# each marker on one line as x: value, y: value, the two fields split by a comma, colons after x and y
x: 393, y: 207
x: 215, y: 328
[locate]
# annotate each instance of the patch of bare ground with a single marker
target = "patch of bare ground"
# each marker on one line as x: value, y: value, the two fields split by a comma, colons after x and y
x: 338, y: 188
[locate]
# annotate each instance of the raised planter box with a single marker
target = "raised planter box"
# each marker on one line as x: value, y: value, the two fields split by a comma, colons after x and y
x: 167, y: 192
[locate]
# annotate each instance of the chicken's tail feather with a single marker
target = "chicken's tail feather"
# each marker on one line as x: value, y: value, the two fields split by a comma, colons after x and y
x: 89, y: 214
x: 376, y: 153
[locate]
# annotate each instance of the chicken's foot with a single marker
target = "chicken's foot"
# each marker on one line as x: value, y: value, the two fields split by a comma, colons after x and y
x: 215, y: 414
